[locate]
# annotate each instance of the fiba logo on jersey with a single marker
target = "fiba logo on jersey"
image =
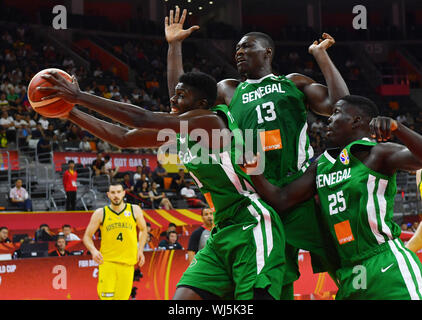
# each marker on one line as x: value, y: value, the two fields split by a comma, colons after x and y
x: 127, y: 213
x: 344, y: 157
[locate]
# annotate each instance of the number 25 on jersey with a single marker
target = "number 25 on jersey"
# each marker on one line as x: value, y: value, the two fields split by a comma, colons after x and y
x: 336, y: 202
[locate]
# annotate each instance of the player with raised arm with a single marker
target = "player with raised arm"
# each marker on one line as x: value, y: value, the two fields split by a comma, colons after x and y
x: 120, y: 248
x: 244, y: 256
x: 278, y: 106
x: 355, y: 181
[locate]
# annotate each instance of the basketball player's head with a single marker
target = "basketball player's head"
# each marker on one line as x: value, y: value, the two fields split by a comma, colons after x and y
x: 207, y: 217
x: 195, y: 90
x: 116, y: 193
x: 254, y: 52
x: 350, y: 120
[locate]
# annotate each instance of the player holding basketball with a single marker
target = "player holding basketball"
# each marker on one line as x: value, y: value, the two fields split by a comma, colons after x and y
x: 244, y: 256
x: 356, y: 184
x: 278, y: 105
x: 120, y: 249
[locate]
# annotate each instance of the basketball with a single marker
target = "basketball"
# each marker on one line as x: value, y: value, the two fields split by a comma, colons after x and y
x: 51, y: 108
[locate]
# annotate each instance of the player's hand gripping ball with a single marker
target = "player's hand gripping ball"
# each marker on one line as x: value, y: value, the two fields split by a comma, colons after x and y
x: 54, y: 107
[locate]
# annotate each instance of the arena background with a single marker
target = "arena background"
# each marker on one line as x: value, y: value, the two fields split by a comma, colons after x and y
x: 117, y: 49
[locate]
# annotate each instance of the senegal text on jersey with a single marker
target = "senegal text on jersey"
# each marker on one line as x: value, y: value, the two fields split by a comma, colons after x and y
x: 261, y: 91
x: 332, y: 178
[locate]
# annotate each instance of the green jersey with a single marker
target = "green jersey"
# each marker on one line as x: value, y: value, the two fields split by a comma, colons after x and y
x: 356, y: 203
x: 274, y: 108
x: 217, y: 173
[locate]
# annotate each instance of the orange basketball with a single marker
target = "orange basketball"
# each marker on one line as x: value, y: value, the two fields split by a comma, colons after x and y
x: 51, y: 108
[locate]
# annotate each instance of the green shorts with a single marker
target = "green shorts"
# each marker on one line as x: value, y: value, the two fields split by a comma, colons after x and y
x: 242, y: 254
x: 392, y: 274
x: 305, y: 230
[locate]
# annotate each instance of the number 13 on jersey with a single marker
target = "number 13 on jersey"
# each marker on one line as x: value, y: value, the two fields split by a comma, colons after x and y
x: 268, y: 107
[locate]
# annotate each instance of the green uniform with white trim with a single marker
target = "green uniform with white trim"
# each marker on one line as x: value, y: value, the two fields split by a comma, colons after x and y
x: 274, y: 105
x: 246, y: 247
x: 357, y: 205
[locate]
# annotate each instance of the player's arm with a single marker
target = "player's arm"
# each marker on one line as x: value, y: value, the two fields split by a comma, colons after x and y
x: 94, y: 224
x: 391, y: 157
x: 320, y: 98
x: 175, y: 34
x: 119, y: 136
x: 142, y: 237
x: 415, y: 243
x: 225, y: 91
x: 282, y: 199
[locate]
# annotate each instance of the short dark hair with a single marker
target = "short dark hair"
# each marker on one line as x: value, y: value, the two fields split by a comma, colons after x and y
x: 365, y: 105
x: 203, y: 209
x: 2, y: 228
x: 66, y: 226
x: 203, y: 85
x: 115, y: 184
x: 71, y: 161
x: 170, y: 232
x: 263, y: 37
x: 171, y: 224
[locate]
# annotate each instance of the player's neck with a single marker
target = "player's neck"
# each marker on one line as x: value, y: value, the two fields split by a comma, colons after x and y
x: 260, y: 73
x: 118, y: 208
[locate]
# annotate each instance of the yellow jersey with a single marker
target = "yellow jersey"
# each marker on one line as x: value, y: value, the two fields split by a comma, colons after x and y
x: 119, y: 241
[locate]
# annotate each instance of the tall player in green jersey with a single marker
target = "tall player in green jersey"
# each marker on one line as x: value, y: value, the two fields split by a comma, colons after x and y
x: 278, y: 106
x: 356, y: 185
x: 244, y: 256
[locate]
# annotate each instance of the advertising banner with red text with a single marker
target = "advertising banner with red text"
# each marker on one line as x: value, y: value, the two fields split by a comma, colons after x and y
x: 125, y: 161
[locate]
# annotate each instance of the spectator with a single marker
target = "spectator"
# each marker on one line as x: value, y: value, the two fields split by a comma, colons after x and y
x: 138, y: 174
x: 128, y: 187
x: 20, y: 197
x: 171, y: 227
x: 199, y: 237
x: 171, y: 242
x: 108, y: 167
x: 60, y: 248
x: 144, y: 194
x: 146, y: 169
x: 67, y: 232
x: 70, y: 177
x: 8, y: 123
x: 190, y: 196
x: 149, y: 245
x: 44, y: 149
x: 178, y: 182
x: 44, y: 123
x: 84, y: 145
x: 98, y: 165
x: 103, y: 146
x: 159, y: 200
x: 159, y: 174
x: 3, y: 138
x: 4, y: 235
x: 44, y: 233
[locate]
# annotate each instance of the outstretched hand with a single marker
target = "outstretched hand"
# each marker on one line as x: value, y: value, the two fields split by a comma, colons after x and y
x: 321, y: 45
x: 382, y: 127
x: 173, y: 26
x: 61, y: 87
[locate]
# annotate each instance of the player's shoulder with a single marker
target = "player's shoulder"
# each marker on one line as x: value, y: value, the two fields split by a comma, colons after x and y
x: 233, y: 83
x: 299, y: 79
